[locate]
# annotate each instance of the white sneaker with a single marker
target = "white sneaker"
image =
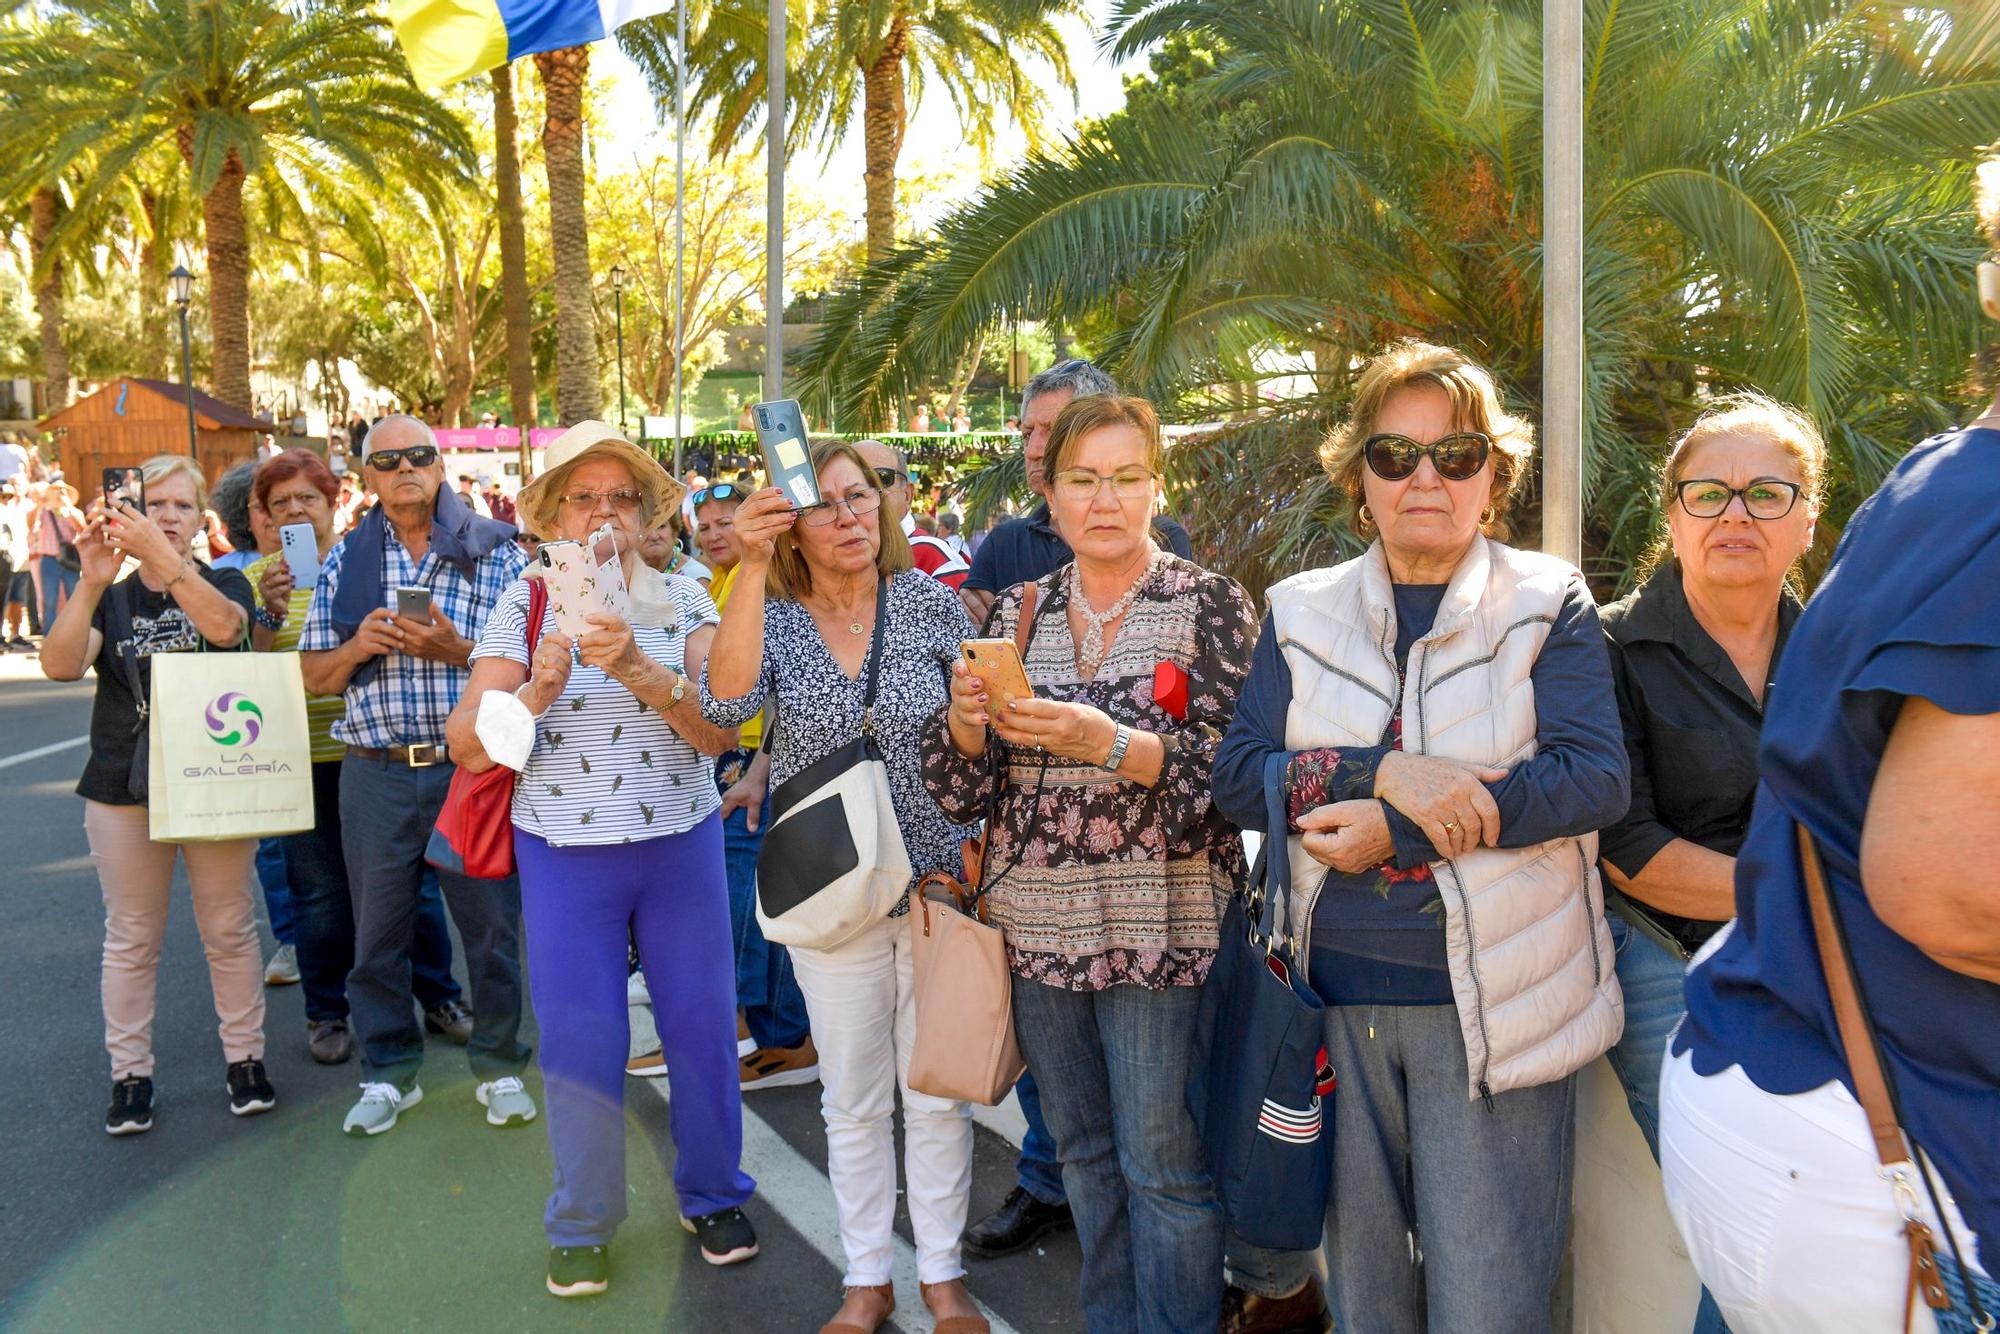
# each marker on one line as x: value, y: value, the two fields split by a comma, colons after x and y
x: 283, y: 970
x: 505, y: 1101
x: 379, y: 1107
x: 635, y: 990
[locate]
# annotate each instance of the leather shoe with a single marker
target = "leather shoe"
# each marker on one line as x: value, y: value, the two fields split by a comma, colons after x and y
x: 450, y: 1021
x: 1016, y: 1224
x: 330, y: 1041
x: 1304, y: 1312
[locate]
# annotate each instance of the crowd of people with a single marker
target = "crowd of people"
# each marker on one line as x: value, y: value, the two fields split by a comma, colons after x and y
x: 1507, y: 831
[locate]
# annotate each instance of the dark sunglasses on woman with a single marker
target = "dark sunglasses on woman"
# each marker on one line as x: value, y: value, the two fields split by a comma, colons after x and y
x: 720, y: 491
x: 388, y: 460
x: 1457, y: 457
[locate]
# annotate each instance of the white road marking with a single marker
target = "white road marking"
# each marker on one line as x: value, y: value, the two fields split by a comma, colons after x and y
x: 40, y: 751
x: 799, y: 1193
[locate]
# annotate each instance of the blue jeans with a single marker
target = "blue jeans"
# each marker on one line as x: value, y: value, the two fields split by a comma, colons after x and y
x: 277, y: 891
x: 322, y: 912
x: 773, y: 1006
x: 54, y: 578
x: 1114, y: 1067
x: 580, y: 903
x: 1486, y: 1193
x: 1037, y: 1169
x: 387, y: 812
x: 1655, y: 999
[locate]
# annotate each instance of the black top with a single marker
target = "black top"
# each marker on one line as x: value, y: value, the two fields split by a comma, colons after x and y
x: 1030, y: 548
x: 1691, y: 729
x: 158, y: 626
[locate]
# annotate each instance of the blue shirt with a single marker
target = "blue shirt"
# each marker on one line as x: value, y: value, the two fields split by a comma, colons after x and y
x: 1910, y: 608
x: 1029, y: 548
x: 1576, y: 783
x: 406, y: 702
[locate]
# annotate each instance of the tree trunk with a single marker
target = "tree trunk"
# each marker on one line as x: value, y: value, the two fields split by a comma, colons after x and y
x: 48, y: 301
x: 513, y: 252
x: 963, y: 383
x: 153, y: 342
x: 228, y: 278
x: 579, y: 395
x: 884, y: 117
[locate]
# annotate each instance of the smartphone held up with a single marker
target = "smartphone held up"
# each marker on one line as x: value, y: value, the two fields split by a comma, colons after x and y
x: 781, y: 433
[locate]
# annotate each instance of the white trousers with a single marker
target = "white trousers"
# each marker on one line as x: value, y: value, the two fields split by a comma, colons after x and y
x: 1784, y: 1208
x: 862, y: 1005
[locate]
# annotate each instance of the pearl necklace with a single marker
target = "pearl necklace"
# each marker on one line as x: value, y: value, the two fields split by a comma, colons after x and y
x: 1090, y: 652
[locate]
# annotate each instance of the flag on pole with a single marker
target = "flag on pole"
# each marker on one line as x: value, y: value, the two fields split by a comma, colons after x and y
x: 449, y: 40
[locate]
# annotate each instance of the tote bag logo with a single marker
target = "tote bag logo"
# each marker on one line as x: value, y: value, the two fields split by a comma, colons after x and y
x: 234, y: 719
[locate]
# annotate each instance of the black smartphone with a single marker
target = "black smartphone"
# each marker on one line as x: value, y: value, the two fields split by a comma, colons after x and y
x: 125, y: 487
x: 781, y: 432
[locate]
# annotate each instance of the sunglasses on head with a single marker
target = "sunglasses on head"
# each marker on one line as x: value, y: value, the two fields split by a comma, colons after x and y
x: 388, y: 460
x: 720, y: 491
x: 1457, y: 457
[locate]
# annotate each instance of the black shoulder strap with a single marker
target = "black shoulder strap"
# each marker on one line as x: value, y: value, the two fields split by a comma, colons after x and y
x: 875, y: 658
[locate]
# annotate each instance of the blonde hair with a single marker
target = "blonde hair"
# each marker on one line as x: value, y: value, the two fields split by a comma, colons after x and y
x: 1081, y: 416
x: 1475, y: 406
x: 790, y: 576
x: 1745, y: 413
x: 162, y: 466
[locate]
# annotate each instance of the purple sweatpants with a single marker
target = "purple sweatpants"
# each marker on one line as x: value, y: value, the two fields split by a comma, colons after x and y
x: 576, y: 905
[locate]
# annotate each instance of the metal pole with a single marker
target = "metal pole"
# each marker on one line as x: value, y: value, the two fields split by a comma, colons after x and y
x: 187, y: 386
x: 1562, y: 278
x: 618, y: 306
x: 680, y: 215
x: 774, y: 207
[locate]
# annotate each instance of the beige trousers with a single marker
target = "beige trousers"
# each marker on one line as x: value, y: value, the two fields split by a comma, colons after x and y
x: 137, y: 877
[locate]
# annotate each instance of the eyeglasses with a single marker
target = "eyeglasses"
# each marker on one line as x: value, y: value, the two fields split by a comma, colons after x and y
x: 1081, y: 485
x: 1457, y: 457
x: 720, y: 491
x: 624, y: 500
x: 388, y: 460
x: 858, y: 503
x: 1766, y: 498
x: 889, y: 477
x: 296, y: 500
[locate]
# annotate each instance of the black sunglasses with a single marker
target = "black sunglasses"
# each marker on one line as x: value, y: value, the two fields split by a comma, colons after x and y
x: 1457, y: 457
x: 388, y: 460
x: 889, y: 477
x: 720, y: 491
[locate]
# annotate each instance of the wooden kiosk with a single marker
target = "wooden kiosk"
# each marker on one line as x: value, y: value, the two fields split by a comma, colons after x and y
x: 129, y: 420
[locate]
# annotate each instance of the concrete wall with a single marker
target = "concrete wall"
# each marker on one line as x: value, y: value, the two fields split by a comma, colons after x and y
x: 1629, y: 1271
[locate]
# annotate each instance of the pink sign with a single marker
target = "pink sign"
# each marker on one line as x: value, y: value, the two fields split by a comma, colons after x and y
x: 544, y: 436
x: 478, y: 437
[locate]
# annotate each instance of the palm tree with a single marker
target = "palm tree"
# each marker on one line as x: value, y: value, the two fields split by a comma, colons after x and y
x: 296, y: 100
x: 513, y: 251
x: 579, y: 388
x: 871, y: 56
x: 48, y: 279
x: 1777, y: 196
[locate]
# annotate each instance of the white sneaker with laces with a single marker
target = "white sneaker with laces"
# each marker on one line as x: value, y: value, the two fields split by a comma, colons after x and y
x: 635, y: 990
x: 505, y: 1101
x: 283, y: 970
x: 379, y: 1107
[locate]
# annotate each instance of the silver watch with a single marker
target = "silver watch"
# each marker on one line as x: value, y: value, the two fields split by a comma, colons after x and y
x: 1119, y: 745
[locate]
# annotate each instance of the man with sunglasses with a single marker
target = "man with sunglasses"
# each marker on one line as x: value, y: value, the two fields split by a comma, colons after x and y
x: 933, y: 557
x: 401, y: 675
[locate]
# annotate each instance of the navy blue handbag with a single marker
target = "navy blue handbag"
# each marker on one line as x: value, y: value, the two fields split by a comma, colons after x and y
x: 1262, y: 1089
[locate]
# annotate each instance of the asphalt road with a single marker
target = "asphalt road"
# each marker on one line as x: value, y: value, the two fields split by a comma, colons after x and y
x: 279, y: 1221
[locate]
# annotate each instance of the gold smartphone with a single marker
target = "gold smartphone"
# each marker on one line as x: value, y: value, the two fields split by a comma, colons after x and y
x: 997, y: 663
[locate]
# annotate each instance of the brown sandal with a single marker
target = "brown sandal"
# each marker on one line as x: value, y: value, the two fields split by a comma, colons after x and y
x: 888, y: 1290
x: 956, y: 1324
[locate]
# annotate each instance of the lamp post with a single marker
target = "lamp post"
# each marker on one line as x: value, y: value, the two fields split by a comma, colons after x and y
x: 618, y: 307
x: 180, y: 284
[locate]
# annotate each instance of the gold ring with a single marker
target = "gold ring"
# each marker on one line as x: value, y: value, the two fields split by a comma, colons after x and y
x: 1450, y: 826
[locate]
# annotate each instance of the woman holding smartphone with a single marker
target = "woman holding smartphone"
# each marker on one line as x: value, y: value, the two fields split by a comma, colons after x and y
x: 170, y: 604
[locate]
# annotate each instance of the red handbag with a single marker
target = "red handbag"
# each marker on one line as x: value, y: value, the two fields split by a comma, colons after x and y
x: 475, y: 830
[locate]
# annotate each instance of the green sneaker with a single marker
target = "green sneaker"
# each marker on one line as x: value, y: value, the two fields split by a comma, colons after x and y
x: 579, y: 1271
x: 379, y: 1106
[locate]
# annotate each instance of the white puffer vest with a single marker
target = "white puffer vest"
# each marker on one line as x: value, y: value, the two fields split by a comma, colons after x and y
x: 1525, y: 935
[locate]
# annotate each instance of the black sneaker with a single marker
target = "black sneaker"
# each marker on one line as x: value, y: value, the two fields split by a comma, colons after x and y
x: 579, y: 1271
x: 131, y: 1107
x: 450, y: 1021
x: 250, y: 1092
x: 1015, y: 1225
x: 726, y: 1236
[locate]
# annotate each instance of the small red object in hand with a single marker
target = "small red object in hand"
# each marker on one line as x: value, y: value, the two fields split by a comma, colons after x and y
x: 1170, y: 690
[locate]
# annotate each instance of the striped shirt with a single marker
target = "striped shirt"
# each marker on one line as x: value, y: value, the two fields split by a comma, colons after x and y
x: 322, y: 711
x: 607, y: 768
x: 408, y: 699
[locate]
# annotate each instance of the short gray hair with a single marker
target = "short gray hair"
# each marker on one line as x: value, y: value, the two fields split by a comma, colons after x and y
x: 230, y: 498
x: 404, y: 418
x: 1078, y: 376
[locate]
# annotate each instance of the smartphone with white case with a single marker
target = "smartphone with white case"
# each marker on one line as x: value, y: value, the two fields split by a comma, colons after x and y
x: 301, y: 547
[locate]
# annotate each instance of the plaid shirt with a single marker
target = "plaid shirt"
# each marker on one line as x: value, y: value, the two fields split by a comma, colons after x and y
x: 408, y: 699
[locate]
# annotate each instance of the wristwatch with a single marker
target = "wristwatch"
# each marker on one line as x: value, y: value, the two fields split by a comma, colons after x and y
x: 680, y: 690
x: 1119, y: 745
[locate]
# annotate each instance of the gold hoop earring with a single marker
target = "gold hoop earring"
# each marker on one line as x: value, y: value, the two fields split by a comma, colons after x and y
x: 1363, y: 518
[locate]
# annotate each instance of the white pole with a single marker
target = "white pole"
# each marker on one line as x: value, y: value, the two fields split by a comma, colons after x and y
x: 774, y: 207
x: 1562, y: 278
x: 680, y: 214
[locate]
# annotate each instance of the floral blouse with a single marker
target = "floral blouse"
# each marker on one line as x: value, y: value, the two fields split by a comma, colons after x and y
x: 818, y: 706
x: 1097, y: 880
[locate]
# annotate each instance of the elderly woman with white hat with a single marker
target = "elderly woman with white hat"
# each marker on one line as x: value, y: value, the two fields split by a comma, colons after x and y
x: 616, y: 831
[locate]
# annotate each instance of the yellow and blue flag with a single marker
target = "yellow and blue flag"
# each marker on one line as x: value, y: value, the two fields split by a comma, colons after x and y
x: 449, y: 40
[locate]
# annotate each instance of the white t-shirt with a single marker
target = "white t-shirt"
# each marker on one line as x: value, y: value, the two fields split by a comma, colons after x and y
x: 606, y: 768
x: 13, y: 460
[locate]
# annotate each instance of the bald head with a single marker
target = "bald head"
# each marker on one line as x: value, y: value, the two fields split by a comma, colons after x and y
x: 884, y: 460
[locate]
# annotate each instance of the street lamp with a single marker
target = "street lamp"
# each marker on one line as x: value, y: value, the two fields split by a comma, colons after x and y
x: 618, y: 307
x: 180, y: 284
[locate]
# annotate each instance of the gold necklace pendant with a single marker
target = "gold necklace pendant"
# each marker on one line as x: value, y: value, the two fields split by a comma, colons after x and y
x: 855, y: 628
